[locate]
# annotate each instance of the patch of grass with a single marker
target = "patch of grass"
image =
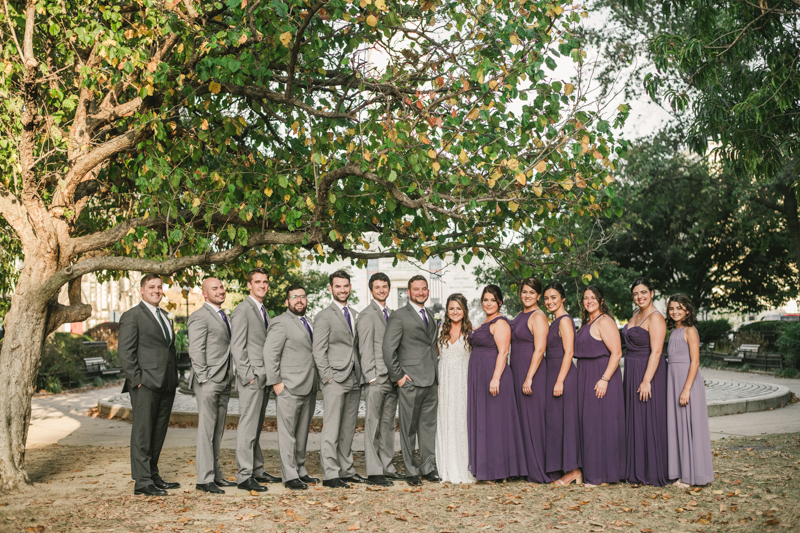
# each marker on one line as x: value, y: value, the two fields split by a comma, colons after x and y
x: 791, y: 373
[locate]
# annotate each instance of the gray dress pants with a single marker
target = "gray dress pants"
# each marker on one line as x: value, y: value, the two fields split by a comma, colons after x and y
x: 379, y: 424
x: 151, y: 412
x: 212, y: 407
x: 294, y: 421
x: 252, y: 408
x: 339, y: 427
x: 418, y: 423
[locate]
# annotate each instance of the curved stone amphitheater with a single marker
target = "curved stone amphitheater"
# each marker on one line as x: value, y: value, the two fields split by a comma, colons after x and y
x: 724, y: 398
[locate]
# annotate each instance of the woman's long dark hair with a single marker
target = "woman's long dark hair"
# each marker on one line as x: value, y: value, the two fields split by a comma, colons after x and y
x: 466, y: 325
x: 686, y: 303
x: 598, y: 293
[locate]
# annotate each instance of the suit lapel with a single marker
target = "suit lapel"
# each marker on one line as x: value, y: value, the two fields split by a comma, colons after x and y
x: 294, y: 319
x: 155, y: 323
x: 340, y: 314
x: 218, y: 319
x: 257, y: 311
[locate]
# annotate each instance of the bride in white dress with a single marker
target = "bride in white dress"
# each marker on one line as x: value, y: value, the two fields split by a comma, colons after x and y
x: 452, y: 457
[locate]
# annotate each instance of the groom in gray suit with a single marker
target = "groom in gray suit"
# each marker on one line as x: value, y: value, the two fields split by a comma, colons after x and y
x: 336, y: 357
x: 249, y: 323
x: 380, y: 391
x: 209, y: 334
x: 147, y: 354
x: 409, y: 350
x: 292, y: 375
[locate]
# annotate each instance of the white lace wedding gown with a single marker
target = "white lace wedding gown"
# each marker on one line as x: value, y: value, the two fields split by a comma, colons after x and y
x: 452, y: 457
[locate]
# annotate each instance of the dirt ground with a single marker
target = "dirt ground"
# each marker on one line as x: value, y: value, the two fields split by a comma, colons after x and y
x: 89, y: 489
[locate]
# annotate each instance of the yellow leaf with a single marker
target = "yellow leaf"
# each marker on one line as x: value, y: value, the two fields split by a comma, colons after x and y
x: 513, y: 206
x: 432, y: 154
x: 286, y: 38
x: 541, y: 166
x: 214, y: 87
x: 295, y: 126
x: 514, y: 38
x: 492, y: 84
x: 597, y: 155
x: 491, y: 183
x: 473, y: 114
x: 381, y: 4
x: 319, y: 249
x: 462, y: 157
x: 513, y: 164
x: 480, y: 76
x: 584, y: 14
x: 567, y: 185
x: 546, y: 251
x: 195, y: 202
x: 609, y: 179
x: 424, y: 140
x: 310, y: 203
x: 436, y: 166
x: 372, y: 20
x: 537, y: 190
x: 242, y: 39
x: 268, y: 192
x: 559, y: 10
x: 521, y: 178
x: 568, y: 88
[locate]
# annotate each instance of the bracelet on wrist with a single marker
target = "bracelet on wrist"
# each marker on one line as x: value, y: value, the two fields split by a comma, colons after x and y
x: 605, y: 379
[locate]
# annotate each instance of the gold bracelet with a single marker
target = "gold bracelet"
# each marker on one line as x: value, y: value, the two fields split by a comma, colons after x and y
x: 605, y: 379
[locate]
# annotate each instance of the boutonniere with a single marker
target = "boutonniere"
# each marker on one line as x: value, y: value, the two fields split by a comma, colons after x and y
x: 439, y: 316
x: 171, y: 316
x: 227, y: 312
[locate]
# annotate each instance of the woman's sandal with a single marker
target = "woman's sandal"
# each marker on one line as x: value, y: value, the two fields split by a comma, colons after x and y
x: 578, y: 479
x: 681, y: 485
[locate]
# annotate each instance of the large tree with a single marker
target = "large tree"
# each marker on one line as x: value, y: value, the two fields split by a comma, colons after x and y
x: 167, y: 136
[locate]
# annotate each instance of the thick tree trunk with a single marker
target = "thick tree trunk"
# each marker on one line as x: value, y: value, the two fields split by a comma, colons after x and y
x: 26, y: 328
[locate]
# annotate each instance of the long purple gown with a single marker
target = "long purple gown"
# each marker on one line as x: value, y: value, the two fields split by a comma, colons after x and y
x: 646, y: 461
x: 562, y: 430
x: 493, y: 430
x: 531, y: 408
x: 602, y: 419
x: 689, y: 437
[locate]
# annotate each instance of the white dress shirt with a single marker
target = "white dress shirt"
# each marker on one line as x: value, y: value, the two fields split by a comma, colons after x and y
x: 155, y: 310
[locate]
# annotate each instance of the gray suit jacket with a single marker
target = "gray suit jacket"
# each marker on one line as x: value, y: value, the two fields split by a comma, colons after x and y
x: 335, y: 348
x: 248, y: 335
x: 410, y: 348
x: 146, y: 356
x: 209, y: 345
x: 371, y: 328
x: 288, y: 355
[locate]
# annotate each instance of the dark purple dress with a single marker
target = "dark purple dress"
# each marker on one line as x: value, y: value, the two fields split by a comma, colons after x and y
x: 602, y: 419
x: 531, y: 408
x: 562, y: 430
x: 493, y: 431
x: 647, y: 459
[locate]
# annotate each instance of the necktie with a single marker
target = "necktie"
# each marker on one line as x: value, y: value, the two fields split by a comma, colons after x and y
x: 347, y: 317
x: 163, y: 325
x: 225, y: 319
x: 424, y: 317
x: 305, y: 323
x: 264, y: 314
x: 386, y: 314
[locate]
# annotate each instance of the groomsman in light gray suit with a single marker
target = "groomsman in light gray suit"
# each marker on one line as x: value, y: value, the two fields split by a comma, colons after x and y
x: 249, y: 323
x: 380, y: 391
x: 409, y: 350
x: 336, y: 357
x: 291, y: 373
x: 209, y: 334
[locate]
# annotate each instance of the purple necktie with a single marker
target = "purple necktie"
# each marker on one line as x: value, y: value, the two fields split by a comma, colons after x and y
x: 305, y: 323
x: 264, y: 314
x: 225, y: 319
x: 386, y: 314
x: 347, y: 317
x: 424, y: 317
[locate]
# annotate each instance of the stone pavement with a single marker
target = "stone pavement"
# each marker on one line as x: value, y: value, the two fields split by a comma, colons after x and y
x: 62, y: 418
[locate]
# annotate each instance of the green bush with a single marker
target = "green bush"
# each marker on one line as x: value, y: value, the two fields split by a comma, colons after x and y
x: 63, y: 356
x: 713, y: 330
x: 789, y: 344
x: 790, y: 373
x: 766, y: 325
x: 52, y: 384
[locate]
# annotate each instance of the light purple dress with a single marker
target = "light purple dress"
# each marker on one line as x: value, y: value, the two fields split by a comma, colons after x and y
x: 493, y: 430
x: 602, y: 419
x: 645, y: 422
x: 689, y: 441
x: 531, y: 408
x: 562, y: 429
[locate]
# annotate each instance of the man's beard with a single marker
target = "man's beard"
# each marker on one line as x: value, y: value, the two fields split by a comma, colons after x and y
x: 343, y: 302
x: 298, y: 313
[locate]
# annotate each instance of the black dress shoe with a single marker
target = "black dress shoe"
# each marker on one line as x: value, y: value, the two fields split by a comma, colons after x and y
x: 394, y: 475
x: 267, y: 478
x: 295, y: 484
x: 414, y: 481
x: 209, y: 487
x: 355, y: 478
x: 433, y: 477
x: 150, y: 490
x: 335, y: 483
x: 165, y: 485
x: 379, y: 480
x: 224, y: 483
x: 308, y: 479
x: 251, y: 484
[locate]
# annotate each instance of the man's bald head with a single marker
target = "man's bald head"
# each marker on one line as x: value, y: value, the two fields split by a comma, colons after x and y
x: 213, y: 291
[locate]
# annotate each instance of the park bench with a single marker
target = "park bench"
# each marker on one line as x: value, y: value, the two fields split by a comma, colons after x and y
x: 744, y: 352
x: 96, y: 365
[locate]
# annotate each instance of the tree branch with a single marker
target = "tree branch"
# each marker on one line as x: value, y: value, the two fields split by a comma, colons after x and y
x: 296, y: 47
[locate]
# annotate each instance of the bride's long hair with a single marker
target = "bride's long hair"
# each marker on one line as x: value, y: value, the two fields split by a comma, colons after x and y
x: 466, y: 325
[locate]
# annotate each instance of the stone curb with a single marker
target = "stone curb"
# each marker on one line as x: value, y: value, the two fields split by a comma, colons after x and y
x: 778, y: 396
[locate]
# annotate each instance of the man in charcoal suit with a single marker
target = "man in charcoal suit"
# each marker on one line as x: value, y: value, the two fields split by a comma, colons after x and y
x: 211, y: 376
x: 336, y: 358
x: 147, y: 353
x: 249, y: 323
x: 291, y: 373
x: 409, y: 350
x: 380, y: 391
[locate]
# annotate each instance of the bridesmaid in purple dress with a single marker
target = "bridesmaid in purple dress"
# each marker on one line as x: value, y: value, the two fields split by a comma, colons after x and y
x: 493, y: 430
x: 562, y: 430
x: 690, y: 460
x: 528, y: 343
x: 645, y: 386
x: 601, y: 408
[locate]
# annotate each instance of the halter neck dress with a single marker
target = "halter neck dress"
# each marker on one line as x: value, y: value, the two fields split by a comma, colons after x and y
x: 602, y: 420
x: 645, y: 422
x: 562, y: 443
x: 531, y: 408
x: 493, y: 430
